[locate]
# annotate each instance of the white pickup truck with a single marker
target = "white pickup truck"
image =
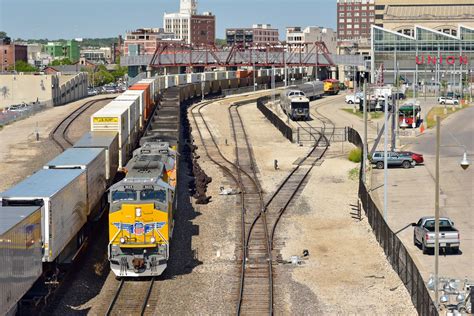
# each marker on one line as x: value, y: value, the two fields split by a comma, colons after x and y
x: 445, y: 100
x: 424, y: 234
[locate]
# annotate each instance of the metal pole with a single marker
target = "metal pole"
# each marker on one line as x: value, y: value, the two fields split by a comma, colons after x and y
x: 273, y: 86
x: 254, y: 83
x: 438, y: 140
x: 385, y: 162
x: 366, y: 146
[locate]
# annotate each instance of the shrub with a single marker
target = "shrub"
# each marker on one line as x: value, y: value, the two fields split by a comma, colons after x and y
x: 355, y: 155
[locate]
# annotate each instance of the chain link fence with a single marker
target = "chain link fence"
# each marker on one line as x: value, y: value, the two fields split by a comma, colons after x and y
x: 396, y: 253
x: 20, y: 112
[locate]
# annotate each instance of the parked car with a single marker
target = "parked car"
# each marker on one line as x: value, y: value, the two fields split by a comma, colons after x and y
x: 394, y: 158
x: 110, y: 89
x: 424, y: 234
x: 354, y: 98
x: 18, y: 107
x: 92, y: 92
x: 418, y: 158
x: 446, y: 100
x: 453, y: 95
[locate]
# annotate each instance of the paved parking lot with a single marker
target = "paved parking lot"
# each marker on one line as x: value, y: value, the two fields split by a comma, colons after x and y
x: 412, y: 194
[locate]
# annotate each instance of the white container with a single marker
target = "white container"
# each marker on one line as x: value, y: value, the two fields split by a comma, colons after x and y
x: 194, y: 77
x: 219, y: 75
x: 109, y: 142
x: 133, y: 116
x: 170, y: 81
x: 161, y: 83
x: 181, y: 79
x: 62, y: 193
x: 92, y: 160
x: 208, y: 76
x: 135, y: 96
x: 231, y: 74
x: 20, y: 253
x: 153, y: 86
x: 114, y: 120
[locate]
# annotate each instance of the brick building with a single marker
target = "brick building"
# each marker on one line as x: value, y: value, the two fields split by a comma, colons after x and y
x: 144, y: 41
x: 10, y: 53
x: 189, y: 26
x: 354, y: 18
x: 259, y: 34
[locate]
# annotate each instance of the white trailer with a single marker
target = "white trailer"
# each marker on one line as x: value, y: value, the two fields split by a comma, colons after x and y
x: 20, y: 253
x: 114, y: 120
x: 62, y: 195
x: 135, y: 96
x: 109, y: 142
x: 133, y: 108
x: 92, y: 160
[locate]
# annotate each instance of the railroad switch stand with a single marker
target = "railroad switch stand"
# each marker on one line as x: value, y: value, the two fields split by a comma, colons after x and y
x: 275, y: 164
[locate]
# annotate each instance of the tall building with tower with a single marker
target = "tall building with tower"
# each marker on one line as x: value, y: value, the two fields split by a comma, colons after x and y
x: 189, y: 26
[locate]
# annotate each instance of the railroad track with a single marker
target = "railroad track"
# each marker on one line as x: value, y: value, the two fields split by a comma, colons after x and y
x: 256, y: 280
x: 59, y: 133
x: 132, y: 298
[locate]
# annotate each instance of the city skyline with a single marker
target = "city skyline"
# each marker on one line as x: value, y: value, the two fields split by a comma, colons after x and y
x: 77, y: 23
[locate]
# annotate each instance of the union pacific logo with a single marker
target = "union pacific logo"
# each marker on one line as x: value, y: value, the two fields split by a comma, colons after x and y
x: 140, y: 228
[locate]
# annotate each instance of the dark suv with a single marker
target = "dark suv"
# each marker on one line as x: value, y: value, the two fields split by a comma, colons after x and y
x: 403, y: 159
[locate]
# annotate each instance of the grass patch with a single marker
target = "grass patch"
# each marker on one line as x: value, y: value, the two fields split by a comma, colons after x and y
x: 370, y: 115
x: 439, y: 111
x: 355, y: 155
x: 354, y: 174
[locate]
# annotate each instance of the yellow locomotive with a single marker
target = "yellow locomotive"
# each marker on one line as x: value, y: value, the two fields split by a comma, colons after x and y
x: 141, y: 212
x: 331, y: 86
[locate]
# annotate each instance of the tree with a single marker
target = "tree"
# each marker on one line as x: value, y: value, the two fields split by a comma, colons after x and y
x: 59, y: 62
x: 102, y: 77
x: 3, y: 34
x: 23, y: 66
x: 119, y: 72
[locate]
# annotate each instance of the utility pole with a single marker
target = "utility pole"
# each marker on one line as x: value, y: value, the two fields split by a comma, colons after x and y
x: 366, y: 146
x: 273, y: 85
x: 385, y: 162
x: 254, y: 83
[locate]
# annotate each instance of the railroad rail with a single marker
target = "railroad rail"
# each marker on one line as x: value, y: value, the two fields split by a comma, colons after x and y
x: 256, y: 283
x: 59, y: 134
x: 130, y: 297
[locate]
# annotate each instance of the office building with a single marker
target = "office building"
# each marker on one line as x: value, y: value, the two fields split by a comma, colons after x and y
x: 145, y: 41
x: 10, y: 53
x: 189, y: 26
x: 301, y: 38
x: 354, y: 18
x: 258, y: 34
x: 69, y: 50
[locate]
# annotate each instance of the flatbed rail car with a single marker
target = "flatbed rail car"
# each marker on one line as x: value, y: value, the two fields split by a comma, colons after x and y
x: 331, y: 86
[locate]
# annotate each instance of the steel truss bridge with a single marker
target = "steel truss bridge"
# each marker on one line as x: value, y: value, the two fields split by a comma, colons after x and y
x: 181, y: 55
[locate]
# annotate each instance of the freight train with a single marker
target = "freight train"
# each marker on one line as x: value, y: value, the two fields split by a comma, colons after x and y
x: 46, y: 218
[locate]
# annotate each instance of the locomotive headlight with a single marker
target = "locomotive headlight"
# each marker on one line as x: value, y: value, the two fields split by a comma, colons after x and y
x: 152, y: 240
x: 122, y: 240
x: 138, y: 212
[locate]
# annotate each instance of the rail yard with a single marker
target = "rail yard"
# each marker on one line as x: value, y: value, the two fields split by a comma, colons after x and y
x: 239, y: 252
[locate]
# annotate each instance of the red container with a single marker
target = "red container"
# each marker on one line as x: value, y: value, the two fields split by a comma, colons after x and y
x: 148, y: 102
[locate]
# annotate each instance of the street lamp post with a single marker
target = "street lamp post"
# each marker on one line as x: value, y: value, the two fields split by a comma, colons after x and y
x: 464, y: 164
x: 385, y: 161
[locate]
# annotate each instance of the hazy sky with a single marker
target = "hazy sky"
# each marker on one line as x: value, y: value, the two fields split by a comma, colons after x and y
x: 106, y: 18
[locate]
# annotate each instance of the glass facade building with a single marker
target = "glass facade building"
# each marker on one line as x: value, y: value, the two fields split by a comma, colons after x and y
x: 429, y: 57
